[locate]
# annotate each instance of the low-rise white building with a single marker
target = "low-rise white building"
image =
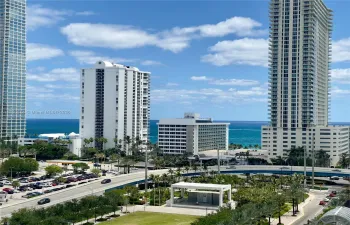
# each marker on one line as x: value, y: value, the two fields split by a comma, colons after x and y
x: 191, y: 134
x: 74, y: 146
x: 332, y: 139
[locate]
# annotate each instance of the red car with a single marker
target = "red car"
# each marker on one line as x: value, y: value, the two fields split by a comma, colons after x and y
x: 7, y: 189
x: 322, y: 203
x: 332, y: 195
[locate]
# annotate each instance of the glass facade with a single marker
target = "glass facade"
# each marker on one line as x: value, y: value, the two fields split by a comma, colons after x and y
x: 12, y: 67
x: 300, y: 39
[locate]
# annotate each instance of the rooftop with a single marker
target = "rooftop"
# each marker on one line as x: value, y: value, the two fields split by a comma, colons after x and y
x: 202, y: 186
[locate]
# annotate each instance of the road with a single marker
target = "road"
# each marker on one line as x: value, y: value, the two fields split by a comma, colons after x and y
x: 313, y: 209
x: 98, y: 188
x: 95, y: 188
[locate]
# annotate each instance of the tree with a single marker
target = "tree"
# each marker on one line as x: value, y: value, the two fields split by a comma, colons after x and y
x: 16, y: 184
x: 344, y: 160
x: 96, y: 171
x: 53, y: 170
x: 322, y: 158
x: 80, y: 167
x: 16, y: 166
x: 115, y: 198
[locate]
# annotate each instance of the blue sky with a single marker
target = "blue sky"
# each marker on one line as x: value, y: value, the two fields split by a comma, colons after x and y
x: 208, y: 57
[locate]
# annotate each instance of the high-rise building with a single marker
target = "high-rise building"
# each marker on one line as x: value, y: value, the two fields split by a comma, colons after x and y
x: 299, y: 74
x: 115, y: 103
x: 191, y: 134
x: 12, y: 68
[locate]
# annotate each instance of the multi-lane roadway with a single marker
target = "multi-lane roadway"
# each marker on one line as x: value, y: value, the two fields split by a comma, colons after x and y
x: 97, y: 188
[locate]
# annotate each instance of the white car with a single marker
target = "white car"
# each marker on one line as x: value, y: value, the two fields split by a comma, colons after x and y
x: 6, y: 182
x: 326, y: 199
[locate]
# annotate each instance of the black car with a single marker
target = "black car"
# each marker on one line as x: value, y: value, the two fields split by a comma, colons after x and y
x: 43, y: 201
x: 106, y: 181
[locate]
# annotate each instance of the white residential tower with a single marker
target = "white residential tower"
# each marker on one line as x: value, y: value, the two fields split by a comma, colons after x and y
x: 299, y: 68
x: 115, y: 103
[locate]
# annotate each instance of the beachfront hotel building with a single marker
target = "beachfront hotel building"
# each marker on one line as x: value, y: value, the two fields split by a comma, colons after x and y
x: 12, y: 68
x: 191, y: 134
x: 299, y: 75
x: 114, y: 103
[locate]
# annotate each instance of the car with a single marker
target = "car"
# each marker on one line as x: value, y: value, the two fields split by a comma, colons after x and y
x: 334, y: 192
x: 43, y: 201
x: 334, y: 178
x: 230, y: 167
x: 6, y: 182
x: 322, y: 203
x: 1, y: 184
x: 47, y: 191
x: 70, y: 185
x: 332, y: 195
x: 337, y: 170
x: 37, y: 193
x: 326, y: 199
x: 106, y: 181
x: 7, y: 189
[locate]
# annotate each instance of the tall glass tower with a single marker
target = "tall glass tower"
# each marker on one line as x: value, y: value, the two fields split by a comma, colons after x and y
x: 299, y: 74
x: 12, y: 68
x: 300, y: 39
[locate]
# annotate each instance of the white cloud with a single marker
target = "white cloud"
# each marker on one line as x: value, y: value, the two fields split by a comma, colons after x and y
x: 235, y: 82
x: 85, y: 13
x: 151, y: 63
x: 341, y: 50
x: 57, y: 86
x: 40, y: 51
x: 226, y: 82
x: 338, y: 92
x: 39, y: 16
x: 210, y: 95
x: 89, y: 57
x: 341, y: 76
x: 200, y: 78
x: 244, y: 51
x: 59, y: 74
x: 170, y: 84
x: 35, y: 93
x: 175, y: 39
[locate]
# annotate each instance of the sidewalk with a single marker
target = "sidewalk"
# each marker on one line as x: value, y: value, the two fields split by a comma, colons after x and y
x: 288, y: 218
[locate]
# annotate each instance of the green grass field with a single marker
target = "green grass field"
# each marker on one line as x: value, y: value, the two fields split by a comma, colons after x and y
x: 150, y: 218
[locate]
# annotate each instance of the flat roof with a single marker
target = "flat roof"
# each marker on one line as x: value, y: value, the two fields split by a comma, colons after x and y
x: 202, y: 186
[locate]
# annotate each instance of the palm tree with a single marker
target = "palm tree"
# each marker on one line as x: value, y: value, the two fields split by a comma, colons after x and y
x: 344, y: 160
x: 127, y: 142
x: 152, y: 177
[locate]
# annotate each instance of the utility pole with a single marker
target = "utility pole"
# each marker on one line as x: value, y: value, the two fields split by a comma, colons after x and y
x: 304, y: 148
x: 218, y: 159
x: 313, y: 160
x: 146, y: 168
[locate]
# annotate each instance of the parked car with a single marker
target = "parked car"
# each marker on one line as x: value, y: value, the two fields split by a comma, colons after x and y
x: 6, y: 182
x: 106, y: 181
x: 337, y: 170
x: 332, y: 195
x: 7, y: 189
x: 326, y: 199
x: 322, y: 203
x: 43, y: 201
x: 334, y: 192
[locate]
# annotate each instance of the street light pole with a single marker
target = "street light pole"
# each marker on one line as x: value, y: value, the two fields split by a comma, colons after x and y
x: 304, y: 167
x: 146, y: 170
x: 313, y: 160
x: 218, y: 153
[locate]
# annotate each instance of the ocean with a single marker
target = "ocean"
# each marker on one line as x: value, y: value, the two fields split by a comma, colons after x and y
x: 240, y: 132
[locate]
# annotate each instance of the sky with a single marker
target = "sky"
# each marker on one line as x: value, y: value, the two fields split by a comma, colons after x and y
x: 208, y: 57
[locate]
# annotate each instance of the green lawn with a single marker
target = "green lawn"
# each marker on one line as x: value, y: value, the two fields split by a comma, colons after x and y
x: 150, y: 218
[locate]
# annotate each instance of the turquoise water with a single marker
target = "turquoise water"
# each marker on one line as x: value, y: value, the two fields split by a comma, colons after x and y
x: 240, y: 132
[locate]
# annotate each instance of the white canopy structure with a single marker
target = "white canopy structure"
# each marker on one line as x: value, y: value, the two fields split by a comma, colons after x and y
x: 200, y: 195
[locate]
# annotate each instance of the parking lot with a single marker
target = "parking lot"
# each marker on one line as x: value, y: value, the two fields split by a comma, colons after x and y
x: 31, y: 187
